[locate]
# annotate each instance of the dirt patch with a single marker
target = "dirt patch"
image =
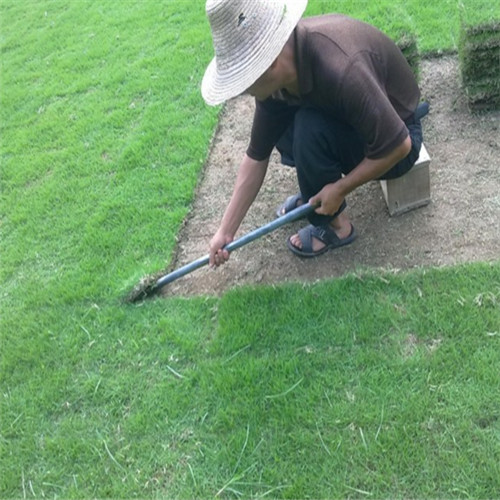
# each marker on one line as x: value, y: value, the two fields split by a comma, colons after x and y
x: 461, y: 224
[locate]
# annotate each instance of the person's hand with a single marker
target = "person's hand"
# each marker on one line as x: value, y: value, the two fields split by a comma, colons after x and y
x: 328, y: 199
x: 218, y: 255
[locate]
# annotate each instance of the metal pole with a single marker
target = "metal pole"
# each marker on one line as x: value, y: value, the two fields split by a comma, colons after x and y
x: 293, y: 215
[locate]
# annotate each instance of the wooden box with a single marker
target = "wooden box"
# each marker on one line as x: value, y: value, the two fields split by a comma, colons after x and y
x: 410, y: 191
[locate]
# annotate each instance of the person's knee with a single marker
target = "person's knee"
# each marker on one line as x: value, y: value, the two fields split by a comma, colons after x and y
x: 309, y: 133
x: 405, y: 165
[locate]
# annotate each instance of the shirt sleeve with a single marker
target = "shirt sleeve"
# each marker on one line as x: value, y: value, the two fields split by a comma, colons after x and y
x: 271, y: 118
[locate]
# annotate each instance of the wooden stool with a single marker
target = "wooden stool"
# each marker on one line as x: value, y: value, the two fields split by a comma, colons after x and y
x: 410, y: 191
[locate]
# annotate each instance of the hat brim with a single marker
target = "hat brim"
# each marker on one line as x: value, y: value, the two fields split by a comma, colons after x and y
x: 219, y: 85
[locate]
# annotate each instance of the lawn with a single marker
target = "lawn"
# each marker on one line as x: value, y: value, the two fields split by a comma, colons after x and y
x: 270, y: 391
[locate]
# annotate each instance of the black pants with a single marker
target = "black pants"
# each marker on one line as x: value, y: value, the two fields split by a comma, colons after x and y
x: 323, y: 149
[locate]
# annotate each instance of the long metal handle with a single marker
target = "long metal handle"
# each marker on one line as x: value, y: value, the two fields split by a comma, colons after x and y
x: 293, y: 215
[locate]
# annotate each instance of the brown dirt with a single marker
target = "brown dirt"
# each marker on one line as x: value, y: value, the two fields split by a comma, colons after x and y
x: 461, y: 224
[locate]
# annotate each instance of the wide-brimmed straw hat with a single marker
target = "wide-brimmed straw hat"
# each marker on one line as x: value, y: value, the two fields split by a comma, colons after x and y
x: 248, y: 36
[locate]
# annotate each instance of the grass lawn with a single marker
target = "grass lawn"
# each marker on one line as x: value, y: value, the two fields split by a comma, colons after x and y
x: 279, y: 392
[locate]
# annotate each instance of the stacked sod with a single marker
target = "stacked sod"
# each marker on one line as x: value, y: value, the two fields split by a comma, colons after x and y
x: 479, y: 51
x: 407, y: 43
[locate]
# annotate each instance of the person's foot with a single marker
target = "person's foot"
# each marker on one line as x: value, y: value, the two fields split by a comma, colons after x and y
x: 290, y: 204
x: 340, y: 232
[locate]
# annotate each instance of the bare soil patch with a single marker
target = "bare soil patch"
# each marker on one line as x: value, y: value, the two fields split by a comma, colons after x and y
x: 461, y: 224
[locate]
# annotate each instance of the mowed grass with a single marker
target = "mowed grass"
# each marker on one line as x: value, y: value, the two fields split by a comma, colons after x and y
x: 375, y: 385
x: 103, y: 135
x: 435, y: 23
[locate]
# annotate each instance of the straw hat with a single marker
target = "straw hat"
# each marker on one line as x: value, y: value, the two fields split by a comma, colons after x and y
x: 248, y: 35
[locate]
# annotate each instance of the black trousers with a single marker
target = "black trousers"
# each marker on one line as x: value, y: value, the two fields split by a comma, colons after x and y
x: 323, y: 149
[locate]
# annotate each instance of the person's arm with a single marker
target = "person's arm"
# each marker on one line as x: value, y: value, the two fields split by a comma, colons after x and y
x: 332, y: 195
x: 249, y: 180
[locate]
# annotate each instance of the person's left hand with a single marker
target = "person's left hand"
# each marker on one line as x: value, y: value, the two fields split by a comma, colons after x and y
x: 329, y: 199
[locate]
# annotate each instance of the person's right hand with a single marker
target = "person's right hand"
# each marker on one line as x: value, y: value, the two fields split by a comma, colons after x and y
x: 218, y: 255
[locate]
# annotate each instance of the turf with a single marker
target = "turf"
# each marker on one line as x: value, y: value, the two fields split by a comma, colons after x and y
x: 479, y: 52
x: 102, y: 140
x: 279, y: 392
x: 387, y: 387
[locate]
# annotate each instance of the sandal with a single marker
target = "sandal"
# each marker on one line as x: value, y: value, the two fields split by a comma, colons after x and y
x: 290, y: 204
x: 325, y: 234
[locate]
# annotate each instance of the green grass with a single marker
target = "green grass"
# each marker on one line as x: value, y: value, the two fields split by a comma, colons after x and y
x: 390, y: 391
x: 436, y: 24
x: 388, y: 385
x: 103, y: 135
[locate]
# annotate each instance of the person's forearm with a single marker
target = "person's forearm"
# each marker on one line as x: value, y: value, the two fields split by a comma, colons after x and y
x: 369, y: 170
x: 248, y: 183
